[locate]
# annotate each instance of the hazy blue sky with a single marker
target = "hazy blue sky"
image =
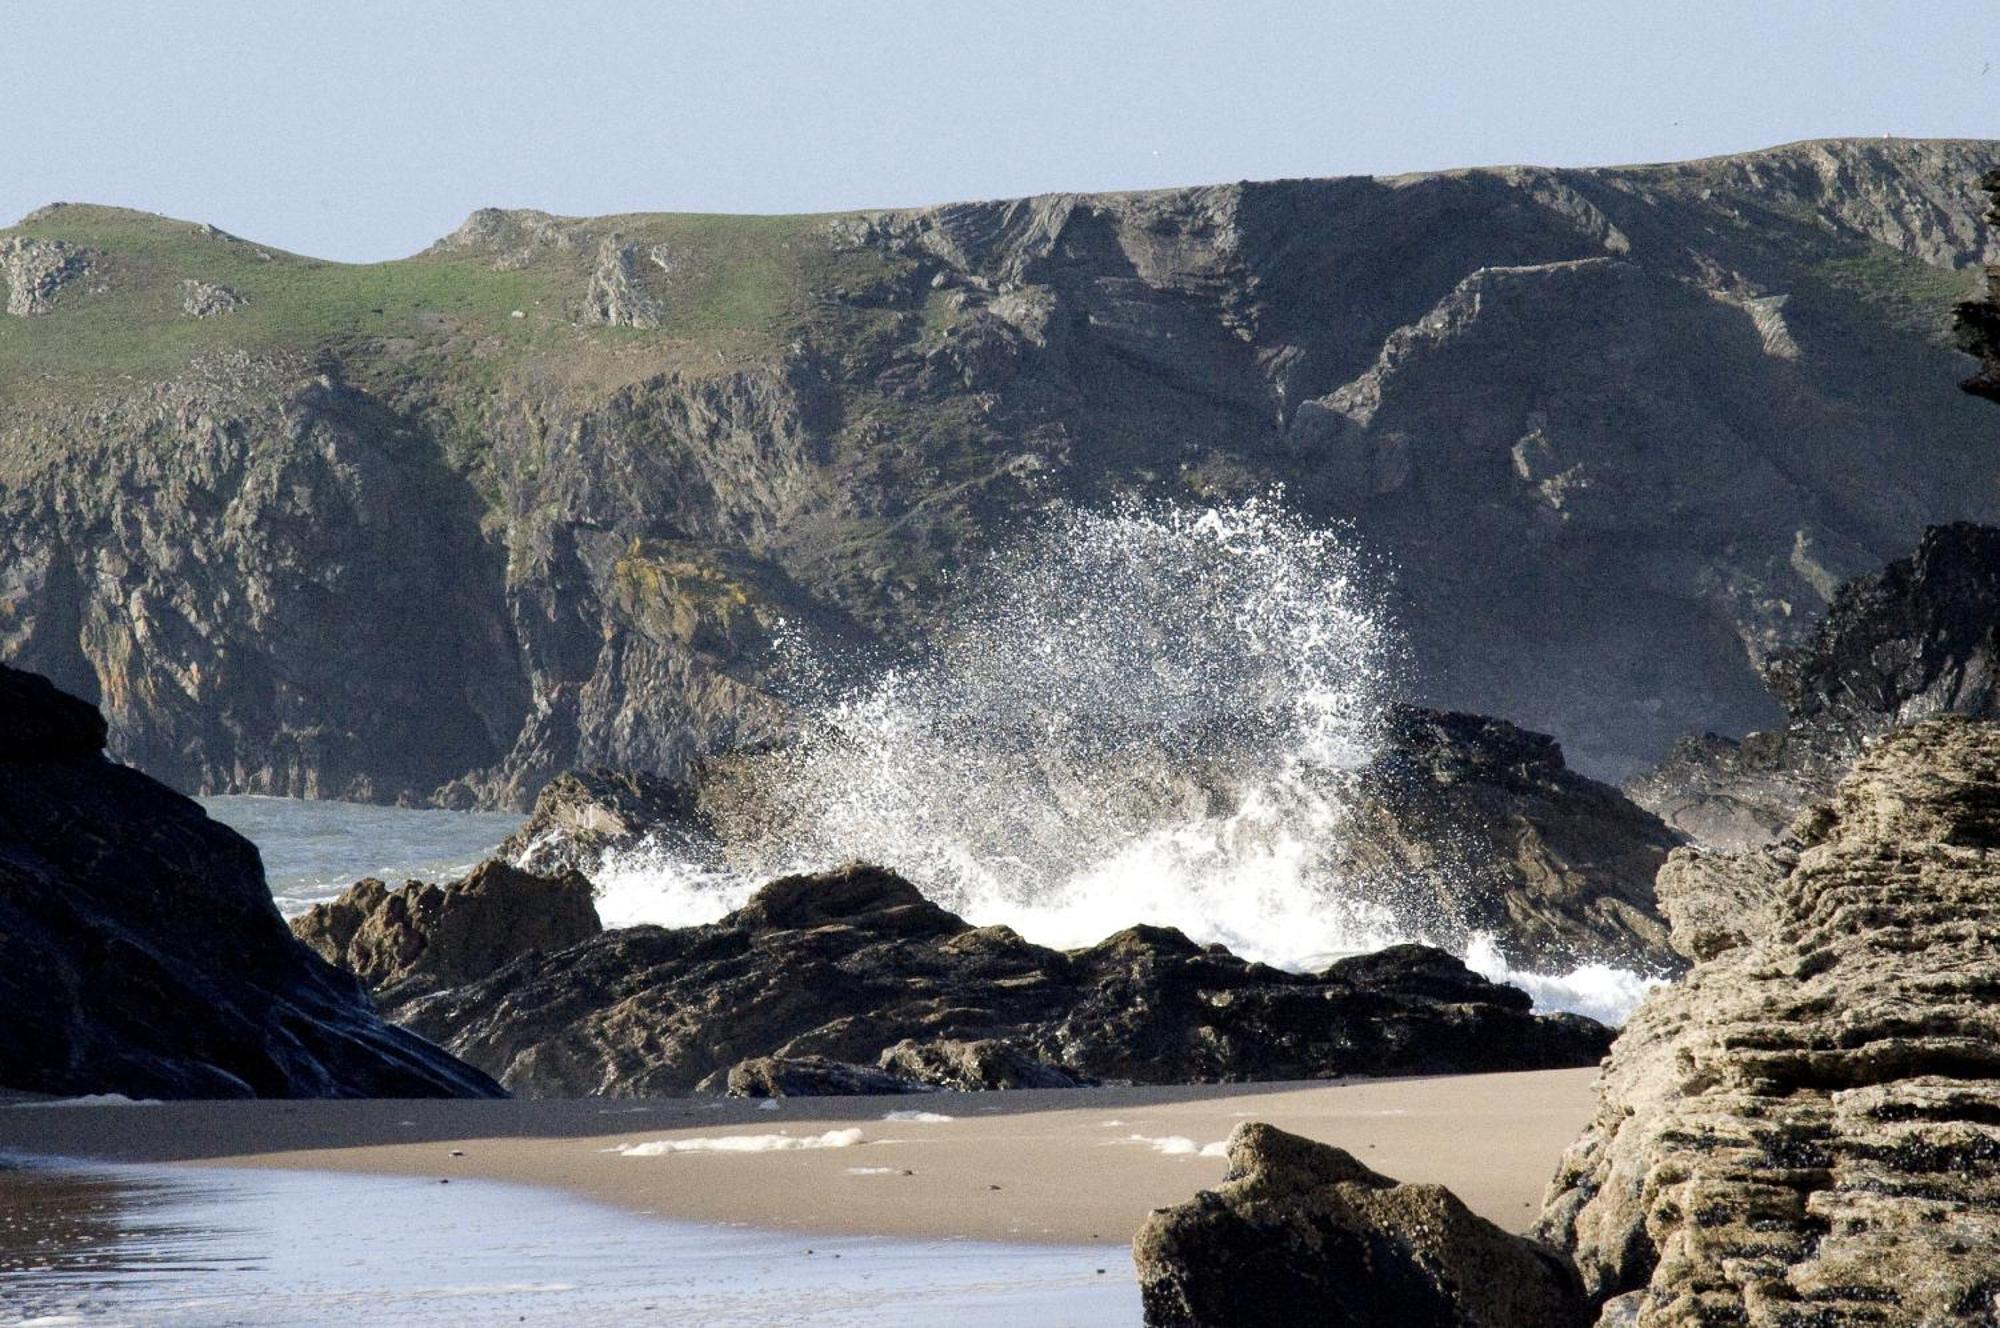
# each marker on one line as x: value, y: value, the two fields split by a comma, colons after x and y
x: 362, y: 129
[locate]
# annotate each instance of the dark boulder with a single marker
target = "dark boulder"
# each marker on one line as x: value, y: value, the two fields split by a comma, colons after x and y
x: 140, y: 952
x: 402, y: 943
x: 1302, y: 1233
x: 855, y: 967
x: 582, y: 815
x: 979, y: 1065
x: 1494, y: 833
x: 809, y: 1076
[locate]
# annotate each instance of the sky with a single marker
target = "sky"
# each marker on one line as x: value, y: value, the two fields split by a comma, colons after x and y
x: 362, y: 130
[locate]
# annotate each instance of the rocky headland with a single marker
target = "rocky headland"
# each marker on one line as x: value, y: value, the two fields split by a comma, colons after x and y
x: 140, y: 952
x: 851, y: 981
x: 537, y: 498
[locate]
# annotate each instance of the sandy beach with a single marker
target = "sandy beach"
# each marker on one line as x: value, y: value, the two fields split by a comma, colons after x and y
x: 1068, y: 1166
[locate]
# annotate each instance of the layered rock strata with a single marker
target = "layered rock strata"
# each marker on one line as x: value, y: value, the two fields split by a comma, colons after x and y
x: 140, y: 952
x: 1803, y: 1130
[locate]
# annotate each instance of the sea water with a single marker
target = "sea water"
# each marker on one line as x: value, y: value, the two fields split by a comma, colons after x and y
x: 315, y: 849
x: 174, y: 1247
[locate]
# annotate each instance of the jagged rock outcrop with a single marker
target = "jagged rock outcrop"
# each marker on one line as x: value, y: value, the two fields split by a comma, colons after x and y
x: 205, y: 299
x: 980, y: 1065
x: 616, y: 298
x: 36, y: 271
x: 1487, y: 821
x: 140, y: 952
x: 421, y: 938
x: 1803, y: 1130
x: 580, y: 816
x: 1920, y: 637
x: 855, y: 966
x: 1567, y: 405
x: 1302, y: 1233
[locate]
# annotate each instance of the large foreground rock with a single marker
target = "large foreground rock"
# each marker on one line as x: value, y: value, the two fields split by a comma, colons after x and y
x: 422, y: 938
x: 856, y: 969
x: 140, y: 952
x: 1915, y: 639
x: 1806, y: 1129
x: 1301, y: 1233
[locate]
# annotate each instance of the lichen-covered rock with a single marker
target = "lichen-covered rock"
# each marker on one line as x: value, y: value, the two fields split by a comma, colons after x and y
x: 36, y: 271
x: 140, y: 952
x: 849, y: 966
x: 1302, y: 1233
x: 206, y: 299
x: 404, y: 943
x: 1802, y: 1132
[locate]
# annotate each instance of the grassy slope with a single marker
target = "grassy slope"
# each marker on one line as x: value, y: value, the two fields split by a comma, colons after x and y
x: 743, y: 287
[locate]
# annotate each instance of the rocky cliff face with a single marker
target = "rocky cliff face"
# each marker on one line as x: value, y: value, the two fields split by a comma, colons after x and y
x: 852, y: 981
x: 140, y: 952
x: 1915, y: 639
x: 539, y: 498
x: 1976, y: 323
x: 1802, y: 1130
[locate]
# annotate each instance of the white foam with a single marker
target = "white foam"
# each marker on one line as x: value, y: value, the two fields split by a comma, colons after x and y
x: 1179, y: 1145
x: 921, y: 1117
x: 1598, y: 991
x: 874, y: 1171
x: 742, y: 1143
x: 94, y: 1100
x: 1152, y: 715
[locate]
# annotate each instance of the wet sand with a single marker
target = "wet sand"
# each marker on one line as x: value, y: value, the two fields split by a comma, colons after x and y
x: 1038, y: 1166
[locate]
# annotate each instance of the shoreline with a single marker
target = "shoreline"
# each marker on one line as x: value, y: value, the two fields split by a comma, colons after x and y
x: 1057, y: 1166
